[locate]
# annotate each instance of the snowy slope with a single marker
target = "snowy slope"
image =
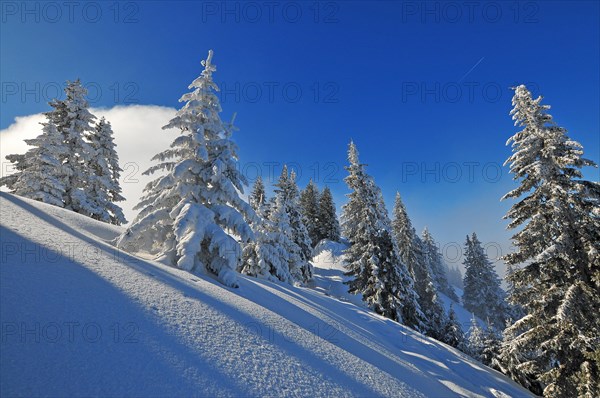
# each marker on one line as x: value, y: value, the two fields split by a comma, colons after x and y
x: 329, y: 279
x: 80, y: 318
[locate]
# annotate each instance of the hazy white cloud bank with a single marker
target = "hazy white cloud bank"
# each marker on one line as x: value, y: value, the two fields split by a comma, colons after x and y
x: 138, y: 135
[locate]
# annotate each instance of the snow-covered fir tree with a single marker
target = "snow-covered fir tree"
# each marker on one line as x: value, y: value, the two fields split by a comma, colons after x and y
x: 329, y: 226
x: 491, y: 346
x: 411, y: 251
x: 75, y: 122
x: 437, y: 266
x: 193, y: 214
x: 556, y: 275
x: 309, y: 208
x: 372, y: 258
x: 287, y: 202
x: 475, y: 339
x: 104, y: 188
x: 482, y: 294
x: 41, y: 176
x: 258, y: 196
x: 271, y: 254
x: 452, y: 333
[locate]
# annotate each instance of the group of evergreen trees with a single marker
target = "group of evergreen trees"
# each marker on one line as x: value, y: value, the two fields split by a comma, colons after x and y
x: 72, y: 163
x: 398, y: 274
x: 288, y: 227
x: 319, y: 215
x: 193, y: 216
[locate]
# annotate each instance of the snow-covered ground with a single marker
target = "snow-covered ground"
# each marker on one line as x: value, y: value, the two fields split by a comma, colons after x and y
x: 80, y: 318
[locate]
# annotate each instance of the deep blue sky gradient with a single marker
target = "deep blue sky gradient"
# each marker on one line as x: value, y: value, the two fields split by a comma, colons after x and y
x: 386, y: 74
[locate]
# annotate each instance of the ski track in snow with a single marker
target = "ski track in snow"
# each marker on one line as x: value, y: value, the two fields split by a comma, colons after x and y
x: 81, y: 318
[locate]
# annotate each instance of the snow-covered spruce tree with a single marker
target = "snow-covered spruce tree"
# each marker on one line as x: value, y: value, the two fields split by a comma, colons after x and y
x: 372, y: 259
x: 309, y: 208
x: 42, y: 177
x: 287, y: 201
x: 272, y: 253
x: 557, y: 266
x: 329, y: 226
x: 104, y: 188
x: 437, y: 266
x: 491, y: 346
x: 258, y: 196
x: 475, y: 339
x: 452, y: 333
x: 411, y: 251
x: 75, y: 122
x: 482, y: 293
x: 190, y: 213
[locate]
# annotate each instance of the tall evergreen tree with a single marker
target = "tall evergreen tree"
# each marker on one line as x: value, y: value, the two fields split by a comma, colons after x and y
x: 482, y: 294
x: 104, y: 188
x: 411, y: 251
x: 437, y: 266
x: 189, y: 214
x: 287, y: 201
x: 556, y: 279
x: 309, y: 208
x: 372, y: 260
x: 329, y: 226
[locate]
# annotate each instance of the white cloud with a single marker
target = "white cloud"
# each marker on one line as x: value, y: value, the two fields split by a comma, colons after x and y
x: 138, y: 135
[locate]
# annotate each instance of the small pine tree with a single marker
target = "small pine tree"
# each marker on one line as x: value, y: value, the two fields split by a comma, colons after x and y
x: 329, y: 226
x: 491, y: 346
x: 452, y: 333
x: 270, y: 255
x: 286, y: 214
x: 258, y: 197
x: 437, y: 266
x: 476, y: 340
x: 309, y: 208
x: 482, y: 294
x: 189, y: 214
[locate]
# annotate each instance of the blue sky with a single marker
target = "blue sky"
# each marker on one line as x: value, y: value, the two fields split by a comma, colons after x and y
x: 422, y: 87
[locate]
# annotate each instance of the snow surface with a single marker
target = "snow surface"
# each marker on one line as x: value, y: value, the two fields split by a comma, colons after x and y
x: 81, y: 318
